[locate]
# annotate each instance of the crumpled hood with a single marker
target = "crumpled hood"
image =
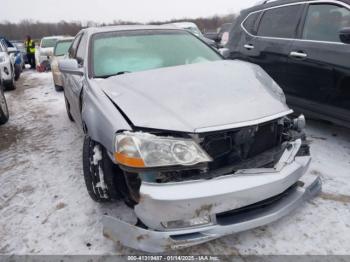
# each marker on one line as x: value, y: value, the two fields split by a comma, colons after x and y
x: 197, y: 98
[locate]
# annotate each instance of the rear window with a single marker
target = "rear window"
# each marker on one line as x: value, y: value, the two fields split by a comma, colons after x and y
x: 62, y: 48
x: 280, y: 22
x: 48, y: 42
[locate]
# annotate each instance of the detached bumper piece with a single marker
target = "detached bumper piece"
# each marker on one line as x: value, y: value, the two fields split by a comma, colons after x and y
x: 228, y: 223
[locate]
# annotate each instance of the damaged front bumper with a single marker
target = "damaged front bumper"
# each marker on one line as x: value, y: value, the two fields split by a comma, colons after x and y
x: 235, y: 203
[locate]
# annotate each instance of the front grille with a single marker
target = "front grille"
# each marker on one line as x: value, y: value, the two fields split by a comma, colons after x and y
x: 232, y: 147
x: 245, y: 148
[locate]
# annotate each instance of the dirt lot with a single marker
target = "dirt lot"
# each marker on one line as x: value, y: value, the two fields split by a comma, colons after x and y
x: 45, y: 208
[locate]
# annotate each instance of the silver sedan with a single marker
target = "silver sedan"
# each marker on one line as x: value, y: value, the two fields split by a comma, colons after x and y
x: 197, y: 146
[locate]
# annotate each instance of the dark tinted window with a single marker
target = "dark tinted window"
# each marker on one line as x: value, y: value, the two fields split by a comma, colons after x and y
x: 324, y: 21
x: 280, y: 22
x: 250, y: 23
x: 73, y: 49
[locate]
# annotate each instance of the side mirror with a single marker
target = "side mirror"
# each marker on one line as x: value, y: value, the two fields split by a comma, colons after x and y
x: 344, y: 35
x: 224, y: 52
x: 70, y: 66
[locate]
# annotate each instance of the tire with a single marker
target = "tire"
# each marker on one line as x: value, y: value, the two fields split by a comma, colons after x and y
x: 17, y: 72
x: 97, y: 166
x: 58, y: 88
x: 4, y: 113
x: 68, y: 109
x: 10, y: 84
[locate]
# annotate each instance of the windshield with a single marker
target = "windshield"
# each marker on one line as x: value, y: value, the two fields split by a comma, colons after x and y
x: 62, y: 48
x: 48, y: 42
x: 125, y: 52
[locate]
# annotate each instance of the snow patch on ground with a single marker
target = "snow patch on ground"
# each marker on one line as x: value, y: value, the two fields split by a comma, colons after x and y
x: 45, y: 208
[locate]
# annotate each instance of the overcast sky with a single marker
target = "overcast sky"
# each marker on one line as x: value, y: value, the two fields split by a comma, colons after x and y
x: 109, y: 10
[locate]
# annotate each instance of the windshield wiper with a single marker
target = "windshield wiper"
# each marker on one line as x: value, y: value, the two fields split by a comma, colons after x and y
x: 116, y: 74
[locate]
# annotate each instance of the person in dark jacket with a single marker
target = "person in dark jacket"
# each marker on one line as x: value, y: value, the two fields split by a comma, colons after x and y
x: 30, y: 47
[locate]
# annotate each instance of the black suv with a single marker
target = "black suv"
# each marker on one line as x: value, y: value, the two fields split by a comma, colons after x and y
x: 305, y: 47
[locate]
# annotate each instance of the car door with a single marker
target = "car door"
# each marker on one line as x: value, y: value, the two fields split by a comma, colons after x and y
x: 78, y: 81
x: 319, y: 62
x: 247, y: 38
x: 71, y: 84
x: 275, y: 32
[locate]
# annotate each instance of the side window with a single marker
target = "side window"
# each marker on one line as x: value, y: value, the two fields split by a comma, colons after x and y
x: 251, y: 22
x: 73, y: 48
x: 280, y: 22
x: 324, y: 21
x: 81, y: 49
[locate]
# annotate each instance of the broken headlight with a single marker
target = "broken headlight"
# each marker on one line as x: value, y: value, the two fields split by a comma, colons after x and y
x: 142, y: 150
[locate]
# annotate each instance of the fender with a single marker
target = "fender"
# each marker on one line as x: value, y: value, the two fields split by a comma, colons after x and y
x: 100, y: 118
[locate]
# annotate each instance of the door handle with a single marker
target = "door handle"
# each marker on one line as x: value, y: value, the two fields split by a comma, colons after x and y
x: 298, y: 54
x: 249, y: 47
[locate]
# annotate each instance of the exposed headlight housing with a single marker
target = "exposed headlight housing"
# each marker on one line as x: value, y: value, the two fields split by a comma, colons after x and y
x: 142, y: 150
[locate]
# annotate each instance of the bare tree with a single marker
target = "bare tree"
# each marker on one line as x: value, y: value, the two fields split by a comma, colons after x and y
x: 37, y: 30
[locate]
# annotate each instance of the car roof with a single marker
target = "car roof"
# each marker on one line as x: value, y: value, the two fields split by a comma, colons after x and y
x: 65, y: 39
x: 107, y: 29
x: 183, y: 24
x: 53, y: 37
x: 266, y: 4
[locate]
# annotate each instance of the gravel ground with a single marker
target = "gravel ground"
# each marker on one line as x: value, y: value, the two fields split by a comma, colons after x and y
x: 45, y: 208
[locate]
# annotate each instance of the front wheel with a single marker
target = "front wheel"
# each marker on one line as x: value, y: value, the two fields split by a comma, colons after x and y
x: 99, y: 172
x: 4, y: 113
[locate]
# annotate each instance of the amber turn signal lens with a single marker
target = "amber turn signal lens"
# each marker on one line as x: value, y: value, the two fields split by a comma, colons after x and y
x: 129, y: 161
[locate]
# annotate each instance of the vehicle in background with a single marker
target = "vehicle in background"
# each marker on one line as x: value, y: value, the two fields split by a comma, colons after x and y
x: 16, y: 57
x: 211, y: 34
x: 305, y: 48
x: 4, y: 112
x: 221, y: 35
x: 46, y: 47
x: 60, y: 50
x: 224, y: 34
x: 197, y: 146
x: 193, y: 28
x: 7, y: 66
x: 21, y: 47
